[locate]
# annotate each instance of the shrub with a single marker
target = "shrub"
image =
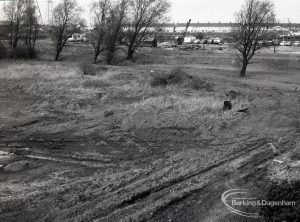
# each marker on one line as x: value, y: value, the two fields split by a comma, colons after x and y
x: 19, y: 53
x: 179, y: 77
x: 176, y: 76
x: 278, y: 191
x: 3, y: 51
x: 198, y: 84
x: 88, y: 69
x: 159, y: 81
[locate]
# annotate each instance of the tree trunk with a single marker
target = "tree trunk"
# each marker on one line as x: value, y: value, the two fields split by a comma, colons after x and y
x: 130, y: 52
x: 57, y: 55
x: 244, y: 68
x: 15, y: 43
x: 97, y: 52
x: 95, y: 59
x: 109, y: 58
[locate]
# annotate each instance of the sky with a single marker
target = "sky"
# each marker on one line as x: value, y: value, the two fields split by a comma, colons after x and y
x: 224, y: 10
x: 204, y: 10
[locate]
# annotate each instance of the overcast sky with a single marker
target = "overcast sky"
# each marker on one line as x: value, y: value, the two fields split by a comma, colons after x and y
x: 208, y: 10
x: 222, y: 10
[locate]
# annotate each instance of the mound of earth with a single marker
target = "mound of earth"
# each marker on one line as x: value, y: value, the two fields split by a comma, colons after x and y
x: 19, y: 166
x: 178, y: 76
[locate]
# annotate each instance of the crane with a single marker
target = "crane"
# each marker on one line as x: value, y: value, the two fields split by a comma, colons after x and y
x: 181, y: 38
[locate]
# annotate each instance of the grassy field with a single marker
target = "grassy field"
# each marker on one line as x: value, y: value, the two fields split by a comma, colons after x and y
x: 122, y: 145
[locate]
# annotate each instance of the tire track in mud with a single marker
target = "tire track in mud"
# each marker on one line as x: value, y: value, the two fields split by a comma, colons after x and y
x: 182, y: 192
x: 110, y: 207
x: 136, y: 193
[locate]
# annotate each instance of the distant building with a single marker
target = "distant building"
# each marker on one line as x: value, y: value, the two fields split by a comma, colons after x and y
x: 218, y: 27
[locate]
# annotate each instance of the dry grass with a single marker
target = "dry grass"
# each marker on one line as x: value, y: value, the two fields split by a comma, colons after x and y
x: 63, y: 86
x: 180, y: 104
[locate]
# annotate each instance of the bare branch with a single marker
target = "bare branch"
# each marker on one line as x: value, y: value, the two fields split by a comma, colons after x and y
x: 253, y: 20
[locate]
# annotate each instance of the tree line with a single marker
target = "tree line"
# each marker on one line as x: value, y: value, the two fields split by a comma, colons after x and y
x: 23, y: 24
x: 112, y: 20
x: 135, y: 20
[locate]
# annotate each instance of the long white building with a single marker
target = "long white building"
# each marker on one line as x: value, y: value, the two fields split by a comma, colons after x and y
x: 218, y: 27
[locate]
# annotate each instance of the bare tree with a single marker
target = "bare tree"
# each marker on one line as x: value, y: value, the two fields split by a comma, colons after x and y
x: 252, y: 20
x: 113, y: 28
x: 64, y: 23
x: 100, y: 11
x: 30, y: 26
x: 146, y: 14
x: 13, y: 12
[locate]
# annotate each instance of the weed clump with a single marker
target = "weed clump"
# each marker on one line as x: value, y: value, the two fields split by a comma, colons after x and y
x: 87, y: 69
x: 3, y: 51
x: 178, y: 76
x: 19, y: 53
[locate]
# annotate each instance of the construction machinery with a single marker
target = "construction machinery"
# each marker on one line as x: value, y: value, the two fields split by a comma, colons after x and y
x: 180, y: 39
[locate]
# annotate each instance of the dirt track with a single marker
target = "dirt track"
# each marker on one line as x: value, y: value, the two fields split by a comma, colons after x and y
x: 84, y: 167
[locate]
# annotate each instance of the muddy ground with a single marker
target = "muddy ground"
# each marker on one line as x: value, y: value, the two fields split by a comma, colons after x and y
x: 111, y: 147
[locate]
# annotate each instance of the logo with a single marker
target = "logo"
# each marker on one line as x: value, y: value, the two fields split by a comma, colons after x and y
x: 241, y: 202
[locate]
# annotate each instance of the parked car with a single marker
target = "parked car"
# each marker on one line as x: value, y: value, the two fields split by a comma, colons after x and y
x: 197, y: 41
x: 262, y: 43
x: 78, y: 37
x: 283, y: 43
x: 218, y: 41
x: 288, y: 43
x: 166, y: 45
x: 297, y: 43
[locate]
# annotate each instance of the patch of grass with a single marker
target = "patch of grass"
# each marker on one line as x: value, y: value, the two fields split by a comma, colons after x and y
x: 95, y: 84
x: 180, y: 104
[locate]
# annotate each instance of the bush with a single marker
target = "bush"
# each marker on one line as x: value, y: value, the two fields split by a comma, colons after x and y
x: 19, y: 53
x: 88, y: 69
x: 198, y: 84
x: 176, y: 76
x: 3, y: 51
x: 179, y: 77
x: 287, y: 191
x: 159, y: 81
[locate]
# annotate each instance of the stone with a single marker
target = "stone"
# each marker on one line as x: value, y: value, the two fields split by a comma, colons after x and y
x: 108, y: 113
x: 227, y: 105
x: 18, y: 166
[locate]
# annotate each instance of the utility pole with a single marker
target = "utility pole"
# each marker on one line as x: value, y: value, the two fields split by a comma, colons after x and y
x: 49, y: 10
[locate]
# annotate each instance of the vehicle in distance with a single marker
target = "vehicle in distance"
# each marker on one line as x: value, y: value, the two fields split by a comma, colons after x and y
x: 285, y: 43
x: 288, y: 43
x: 297, y: 43
x: 166, y: 45
x: 77, y: 37
x: 218, y: 41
